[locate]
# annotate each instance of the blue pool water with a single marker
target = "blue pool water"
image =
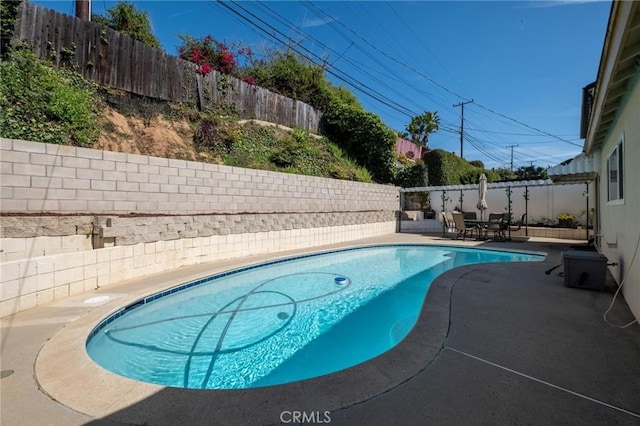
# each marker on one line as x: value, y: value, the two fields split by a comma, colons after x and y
x: 278, y: 322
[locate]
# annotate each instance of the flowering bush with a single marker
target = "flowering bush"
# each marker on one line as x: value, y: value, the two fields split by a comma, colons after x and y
x: 566, y: 220
x: 210, y: 54
x: 204, y: 69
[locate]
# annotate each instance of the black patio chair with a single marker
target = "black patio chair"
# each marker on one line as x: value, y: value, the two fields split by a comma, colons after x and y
x: 496, y: 224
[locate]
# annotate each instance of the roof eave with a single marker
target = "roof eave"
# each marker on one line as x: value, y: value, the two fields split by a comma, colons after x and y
x: 622, y: 13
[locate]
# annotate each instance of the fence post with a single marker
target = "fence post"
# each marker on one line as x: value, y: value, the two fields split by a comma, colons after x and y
x: 199, y: 84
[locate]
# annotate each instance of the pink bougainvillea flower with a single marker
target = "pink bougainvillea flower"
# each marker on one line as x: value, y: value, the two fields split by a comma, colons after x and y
x: 197, y: 56
x: 204, y: 69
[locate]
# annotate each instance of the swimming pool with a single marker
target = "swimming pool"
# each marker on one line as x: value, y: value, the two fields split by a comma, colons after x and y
x: 281, y: 321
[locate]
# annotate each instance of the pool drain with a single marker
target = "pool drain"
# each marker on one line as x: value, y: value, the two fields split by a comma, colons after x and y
x: 283, y: 315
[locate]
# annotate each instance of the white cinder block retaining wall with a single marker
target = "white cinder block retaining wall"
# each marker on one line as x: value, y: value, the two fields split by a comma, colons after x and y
x: 38, y: 177
x: 60, y: 197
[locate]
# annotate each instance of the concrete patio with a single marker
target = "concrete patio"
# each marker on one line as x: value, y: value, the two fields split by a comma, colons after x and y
x: 495, y: 344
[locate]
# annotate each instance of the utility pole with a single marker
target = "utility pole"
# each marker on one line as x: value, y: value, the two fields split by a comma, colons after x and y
x: 461, y: 104
x: 512, y: 146
x: 509, y: 193
x: 83, y: 9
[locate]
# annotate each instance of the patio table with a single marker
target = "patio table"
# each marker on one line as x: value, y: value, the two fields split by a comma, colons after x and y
x: 477, y: 223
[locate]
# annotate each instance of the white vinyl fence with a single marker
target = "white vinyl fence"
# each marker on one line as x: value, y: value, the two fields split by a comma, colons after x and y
x: 546, y: 201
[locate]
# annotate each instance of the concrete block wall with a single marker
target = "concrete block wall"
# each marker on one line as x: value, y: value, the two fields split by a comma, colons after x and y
x: 31, y: 282
x: 38, y: 177
x: 33, y: 236
x: 148, y: 214
x: 132, y: 230
x: 22, y: 248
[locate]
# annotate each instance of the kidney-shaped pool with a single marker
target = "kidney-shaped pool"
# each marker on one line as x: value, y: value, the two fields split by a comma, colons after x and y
x: 281, y: 321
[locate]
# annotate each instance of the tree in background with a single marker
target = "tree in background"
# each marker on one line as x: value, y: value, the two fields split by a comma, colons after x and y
x: 125, y: 18
x: 421, y: 126
x: 531, y: 173
x: 522, y: 173
x: 504, y: 173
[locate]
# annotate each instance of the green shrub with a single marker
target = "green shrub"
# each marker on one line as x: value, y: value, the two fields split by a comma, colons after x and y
x: 299, y: 154
x: 410, y: 176
x: 212, y: 135
x: 363, y: 175
x: 45, y: 104
x: 125, y: 18
x: 364, y: 136
x: 296, y: 77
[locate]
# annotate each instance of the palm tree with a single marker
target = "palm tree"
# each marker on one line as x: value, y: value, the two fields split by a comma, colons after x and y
x: 421, y: 126
x: 402, y: 135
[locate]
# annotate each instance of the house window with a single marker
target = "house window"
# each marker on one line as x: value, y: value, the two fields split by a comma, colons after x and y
x: 615, y: 173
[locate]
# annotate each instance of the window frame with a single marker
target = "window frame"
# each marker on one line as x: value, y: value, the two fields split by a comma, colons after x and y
x: 615, y: 189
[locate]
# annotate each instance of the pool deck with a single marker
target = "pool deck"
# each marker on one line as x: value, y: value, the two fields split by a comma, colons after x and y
x: 495, y: 344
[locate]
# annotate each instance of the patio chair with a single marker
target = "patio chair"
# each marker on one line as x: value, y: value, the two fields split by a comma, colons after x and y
x: 495, y: 224
x: 470, y: 215
x: 462, y: 229
x: 449, y: 225
x: 519, y: 223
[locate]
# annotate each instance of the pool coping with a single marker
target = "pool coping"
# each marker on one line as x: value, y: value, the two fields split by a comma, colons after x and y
x: 66, y: 373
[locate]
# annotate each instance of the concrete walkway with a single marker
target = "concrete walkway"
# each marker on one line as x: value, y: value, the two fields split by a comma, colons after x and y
x: 495, y: 344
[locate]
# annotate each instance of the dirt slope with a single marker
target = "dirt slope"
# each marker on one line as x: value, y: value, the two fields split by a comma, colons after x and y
x: 156, y: 136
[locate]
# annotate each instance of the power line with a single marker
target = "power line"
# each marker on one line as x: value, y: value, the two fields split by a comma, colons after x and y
x: 358, y: 86
x: 422, y: 43
x: 337, y: 26
x: 348, y: 60
x: 514, y: 134
x: 394, y: 59
x: 441, y: 86
x: 482, y: 150
x: 365, y: 89
x: 522, y: 154
x: 526, y: 125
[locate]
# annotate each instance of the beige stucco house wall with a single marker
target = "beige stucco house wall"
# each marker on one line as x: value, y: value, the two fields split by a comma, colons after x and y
x: 614, y: 128
x: 611, y: 153
x: 619, y: 230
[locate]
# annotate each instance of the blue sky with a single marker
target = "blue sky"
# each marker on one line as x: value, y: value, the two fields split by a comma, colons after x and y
x: 524, y: 63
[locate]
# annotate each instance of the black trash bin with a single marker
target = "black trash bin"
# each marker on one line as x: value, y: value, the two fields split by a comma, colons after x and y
x: 584, y: 269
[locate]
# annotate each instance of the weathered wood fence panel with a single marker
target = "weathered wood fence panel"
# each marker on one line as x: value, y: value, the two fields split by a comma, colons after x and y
x: 116, y: 60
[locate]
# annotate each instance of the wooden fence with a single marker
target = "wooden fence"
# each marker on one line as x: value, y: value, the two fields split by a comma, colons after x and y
x: 116, y: 60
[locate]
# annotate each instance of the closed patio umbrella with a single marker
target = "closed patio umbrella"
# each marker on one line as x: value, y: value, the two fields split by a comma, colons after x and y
x: 482, y: 194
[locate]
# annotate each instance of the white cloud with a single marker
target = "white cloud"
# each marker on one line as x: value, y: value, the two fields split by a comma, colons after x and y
x: 308, y: 23
x: 557, y: 3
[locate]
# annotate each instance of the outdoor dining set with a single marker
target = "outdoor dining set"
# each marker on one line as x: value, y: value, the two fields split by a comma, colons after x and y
x: 466, y: 224
x: 463, y: 225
